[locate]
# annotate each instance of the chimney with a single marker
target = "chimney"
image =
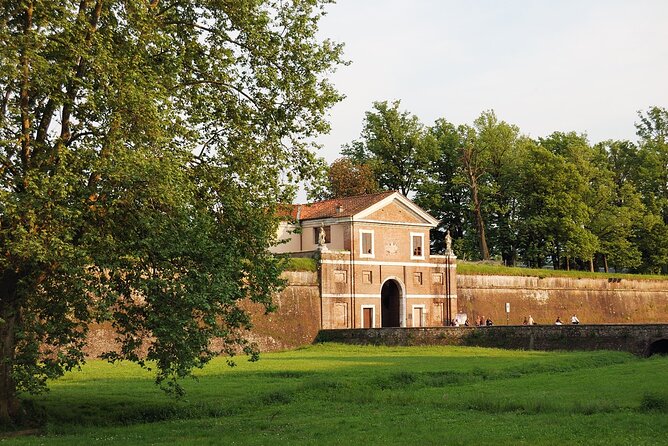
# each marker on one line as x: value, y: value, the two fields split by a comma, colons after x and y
x: 339, y: 209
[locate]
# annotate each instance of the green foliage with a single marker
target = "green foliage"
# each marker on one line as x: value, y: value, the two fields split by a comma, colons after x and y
x: 395, y: 145
x: 382, y: 395
x: 345, y: 178
x: 554, y: 200
x: 143, y: 147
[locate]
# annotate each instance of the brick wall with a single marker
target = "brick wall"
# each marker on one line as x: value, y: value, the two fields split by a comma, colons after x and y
x: 597, y: 301
x: 631, y: 338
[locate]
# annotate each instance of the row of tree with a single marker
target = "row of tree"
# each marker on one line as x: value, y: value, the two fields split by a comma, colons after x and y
x: 557, y: 200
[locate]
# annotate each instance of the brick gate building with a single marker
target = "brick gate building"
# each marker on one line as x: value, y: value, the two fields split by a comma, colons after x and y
x: 375, y: 265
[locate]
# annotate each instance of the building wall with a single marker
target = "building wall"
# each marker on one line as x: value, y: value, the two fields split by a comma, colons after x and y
x: 299, y: 311
x: 348, y: 288
x: 593, y: 300
x: 289, y: 241
x: 295, y: 322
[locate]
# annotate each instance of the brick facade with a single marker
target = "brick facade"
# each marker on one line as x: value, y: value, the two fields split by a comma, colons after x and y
x: 375, y: 266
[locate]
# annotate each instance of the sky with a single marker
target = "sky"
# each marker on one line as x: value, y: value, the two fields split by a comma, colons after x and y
x: 587, y: 66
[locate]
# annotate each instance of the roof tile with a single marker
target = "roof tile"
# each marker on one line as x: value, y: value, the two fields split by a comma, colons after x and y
x: 329, y: 208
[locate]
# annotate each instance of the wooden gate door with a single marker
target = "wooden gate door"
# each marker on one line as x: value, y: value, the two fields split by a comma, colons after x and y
x: 367, y: 317
x: 417, y: 316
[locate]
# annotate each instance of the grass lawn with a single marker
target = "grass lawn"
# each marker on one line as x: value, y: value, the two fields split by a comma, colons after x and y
x: 335, y: 394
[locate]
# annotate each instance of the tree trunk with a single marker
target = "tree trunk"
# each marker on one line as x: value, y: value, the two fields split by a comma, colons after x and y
x: 9, y: 312
x: 484, y: 250
x: 605, y: 262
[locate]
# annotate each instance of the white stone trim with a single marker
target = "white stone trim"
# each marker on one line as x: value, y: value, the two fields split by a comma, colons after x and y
x: 431, y: 221
x: 381, y: 263
x: 373, y: 243
x: 421, y: 235
x: 373, y: 315
x: 402, y: 298
x: 377, y: 296
x: 424, y: 311
x: 394, y: 223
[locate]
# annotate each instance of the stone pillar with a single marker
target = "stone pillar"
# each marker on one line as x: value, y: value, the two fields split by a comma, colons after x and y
x: 450, y: 279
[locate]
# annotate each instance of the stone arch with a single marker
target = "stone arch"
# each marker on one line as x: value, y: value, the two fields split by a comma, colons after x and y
x: 392, y: 303
x: 658, y: 347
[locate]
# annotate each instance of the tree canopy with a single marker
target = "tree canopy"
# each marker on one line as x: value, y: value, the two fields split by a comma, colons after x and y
x: 143, y: 147
x: 396, y: 146
x: 556, y: 200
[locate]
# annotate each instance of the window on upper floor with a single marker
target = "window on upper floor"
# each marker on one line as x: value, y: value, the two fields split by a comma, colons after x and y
x: 366, y: 243
x: 417, y: 245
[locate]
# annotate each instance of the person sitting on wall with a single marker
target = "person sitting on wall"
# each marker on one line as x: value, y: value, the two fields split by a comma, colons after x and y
x: 558, y: 321
x: 525, y: 321
x: 530, y: 321
x: 575, y: 320
x: 466, y: 323
x: 489, y: 322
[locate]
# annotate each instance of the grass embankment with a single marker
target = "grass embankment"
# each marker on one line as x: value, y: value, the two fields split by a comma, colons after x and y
x: 490, y: 269
x: 300, y: 264
x: 333, y: 394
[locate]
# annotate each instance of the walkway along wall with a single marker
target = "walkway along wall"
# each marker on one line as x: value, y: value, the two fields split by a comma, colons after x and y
x: 595, y: 301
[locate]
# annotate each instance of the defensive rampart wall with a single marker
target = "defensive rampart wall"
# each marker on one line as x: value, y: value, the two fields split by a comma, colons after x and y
x: 596, y: 301
x: 297, y: 319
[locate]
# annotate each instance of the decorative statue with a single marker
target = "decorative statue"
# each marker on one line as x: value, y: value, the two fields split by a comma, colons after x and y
x: 448, y: 243
x: 321, y: 236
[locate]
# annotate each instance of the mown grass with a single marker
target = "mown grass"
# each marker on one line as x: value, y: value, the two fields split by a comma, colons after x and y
x: 335, y: 394
x: 492, y: 269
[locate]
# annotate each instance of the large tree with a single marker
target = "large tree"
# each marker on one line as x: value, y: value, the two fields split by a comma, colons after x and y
x: 651, y: 179
x: 143, y: 146
x: 555, y: 214
x: 397, y: 147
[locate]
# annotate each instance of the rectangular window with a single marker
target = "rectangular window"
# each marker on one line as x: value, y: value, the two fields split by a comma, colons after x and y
x: 328, y: 234
x: 417, y: 245
x: 366, y: 243
x: 437, y: 278
x: 367, y: 277
x: 417, y: 278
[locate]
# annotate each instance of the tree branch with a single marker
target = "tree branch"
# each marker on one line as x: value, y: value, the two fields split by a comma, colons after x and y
x: 25, y: 94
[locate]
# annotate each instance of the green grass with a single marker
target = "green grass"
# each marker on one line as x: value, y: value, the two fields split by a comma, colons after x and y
x: 490, y: 269
x: 300, y: 264
x: 335, y: 394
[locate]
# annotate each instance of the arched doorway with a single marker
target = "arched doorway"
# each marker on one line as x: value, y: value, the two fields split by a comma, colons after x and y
x: 659, y: 347
x: 390, y: 304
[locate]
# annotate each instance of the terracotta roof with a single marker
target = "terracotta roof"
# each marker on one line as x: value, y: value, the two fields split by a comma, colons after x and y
x: 328, y: 209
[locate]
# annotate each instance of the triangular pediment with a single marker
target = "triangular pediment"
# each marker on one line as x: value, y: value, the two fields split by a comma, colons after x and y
x: 396, y: 209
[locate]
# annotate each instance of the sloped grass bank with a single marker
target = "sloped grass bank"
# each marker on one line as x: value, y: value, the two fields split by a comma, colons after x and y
x: 336, y: 394
x: 493, y: 269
